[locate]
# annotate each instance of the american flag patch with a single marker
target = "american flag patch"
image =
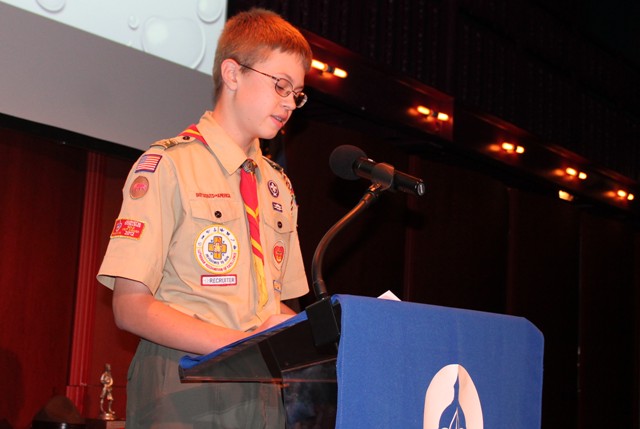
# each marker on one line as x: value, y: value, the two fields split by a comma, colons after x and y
x: 148, y: 162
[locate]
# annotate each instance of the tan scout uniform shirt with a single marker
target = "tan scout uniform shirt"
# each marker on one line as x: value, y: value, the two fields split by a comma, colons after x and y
x: 182, y: 230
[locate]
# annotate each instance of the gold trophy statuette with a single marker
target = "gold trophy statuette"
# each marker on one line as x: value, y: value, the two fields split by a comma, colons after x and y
x: 106, y: 394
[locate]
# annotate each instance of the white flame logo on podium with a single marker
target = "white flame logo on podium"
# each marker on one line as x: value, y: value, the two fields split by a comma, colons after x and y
x: 452, y: 401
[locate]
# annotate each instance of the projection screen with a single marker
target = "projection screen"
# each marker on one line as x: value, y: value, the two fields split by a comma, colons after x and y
x: 128, y: 72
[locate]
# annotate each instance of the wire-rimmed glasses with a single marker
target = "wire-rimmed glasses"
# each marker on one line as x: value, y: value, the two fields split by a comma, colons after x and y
x: 284, y: 88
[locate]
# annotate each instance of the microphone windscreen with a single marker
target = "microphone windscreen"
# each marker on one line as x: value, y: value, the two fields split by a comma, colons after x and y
x: 342, y: 160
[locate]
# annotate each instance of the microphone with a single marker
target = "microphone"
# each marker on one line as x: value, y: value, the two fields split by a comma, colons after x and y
x: 350, y: 162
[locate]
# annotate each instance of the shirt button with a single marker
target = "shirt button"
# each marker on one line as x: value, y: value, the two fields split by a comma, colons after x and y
x: 279, y: 224
x: 218, y: 214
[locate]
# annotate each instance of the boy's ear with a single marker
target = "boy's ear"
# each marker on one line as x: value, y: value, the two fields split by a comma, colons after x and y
x: 229, y: 73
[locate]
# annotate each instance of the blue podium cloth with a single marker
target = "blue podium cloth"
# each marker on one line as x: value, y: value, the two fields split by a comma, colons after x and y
x: 391, y: 352
x: 407, y: 365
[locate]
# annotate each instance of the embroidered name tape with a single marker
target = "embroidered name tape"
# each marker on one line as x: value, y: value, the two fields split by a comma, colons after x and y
x: 223, y: 280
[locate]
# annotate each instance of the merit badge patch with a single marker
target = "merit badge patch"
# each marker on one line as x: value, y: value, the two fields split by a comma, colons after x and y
x: 216, y: 249
x: 148, y: 162
x: 127, y: 228
x: 139, y: 187
x: 273, y: 188
x: 278, y: 254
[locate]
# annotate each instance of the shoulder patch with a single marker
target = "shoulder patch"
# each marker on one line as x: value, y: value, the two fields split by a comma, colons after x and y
x: 148, y: 162
x: 168, y: 143
x: 287, y: 182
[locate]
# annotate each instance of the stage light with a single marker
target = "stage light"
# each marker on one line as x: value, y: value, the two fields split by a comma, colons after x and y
x: 512, y: 148
x: 570, y: 171
x: 624, y: 195
x: 442, y: 117
x: 564, y: 195
x: 423, y: 110
x: 326, y: 68
x: 430, y: 113
x: 339, y: 72
x: 318, y: 65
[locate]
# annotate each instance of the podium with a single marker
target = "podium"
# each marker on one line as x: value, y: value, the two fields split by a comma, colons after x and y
x: 395, y: 365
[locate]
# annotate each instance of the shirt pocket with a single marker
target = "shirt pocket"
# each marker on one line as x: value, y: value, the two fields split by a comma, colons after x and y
x: 278, y: 240
x: 218, y: 231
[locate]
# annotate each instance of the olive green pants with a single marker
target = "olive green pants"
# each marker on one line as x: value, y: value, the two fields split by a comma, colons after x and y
x: 157, y: 399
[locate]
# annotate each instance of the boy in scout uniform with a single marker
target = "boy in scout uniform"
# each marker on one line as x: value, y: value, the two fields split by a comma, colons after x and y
x: 193, y: 262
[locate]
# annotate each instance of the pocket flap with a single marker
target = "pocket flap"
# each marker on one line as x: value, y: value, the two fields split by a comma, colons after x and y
x: 280, y: 223
x: 217, y: 211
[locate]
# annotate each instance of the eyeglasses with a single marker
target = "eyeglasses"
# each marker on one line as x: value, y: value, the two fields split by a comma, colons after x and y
x: 284, y: 88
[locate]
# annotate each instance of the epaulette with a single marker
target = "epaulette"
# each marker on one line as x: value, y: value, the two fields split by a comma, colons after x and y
x: 168, y: 143
x: 274, y: 164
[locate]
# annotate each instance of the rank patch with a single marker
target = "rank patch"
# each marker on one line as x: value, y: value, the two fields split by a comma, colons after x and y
x: 216, y: 249
x: 148, y: 163
x: 127, y: 228
x: 277, y: 206
x: 139, y: 187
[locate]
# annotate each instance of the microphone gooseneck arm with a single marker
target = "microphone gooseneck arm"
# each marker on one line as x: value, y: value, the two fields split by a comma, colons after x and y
x: 349, y: 162
x: 319, y: 286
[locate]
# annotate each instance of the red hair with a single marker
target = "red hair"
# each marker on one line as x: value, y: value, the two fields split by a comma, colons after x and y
x: 250, y: 37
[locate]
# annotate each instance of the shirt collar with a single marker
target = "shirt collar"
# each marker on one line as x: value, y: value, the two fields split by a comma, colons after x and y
x: 225, y: 149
